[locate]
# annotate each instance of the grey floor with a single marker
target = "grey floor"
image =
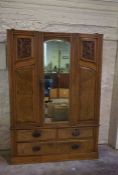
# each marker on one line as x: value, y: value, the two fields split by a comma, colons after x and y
x: 107, y: 164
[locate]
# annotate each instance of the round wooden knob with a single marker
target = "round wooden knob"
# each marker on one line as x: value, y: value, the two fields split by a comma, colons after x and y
x: 36, y: 133
x: 75, y: 146
x: 76, y: 132
x: 36, y: 148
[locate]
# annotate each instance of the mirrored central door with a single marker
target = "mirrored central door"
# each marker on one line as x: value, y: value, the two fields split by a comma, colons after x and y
x: 56, y: 80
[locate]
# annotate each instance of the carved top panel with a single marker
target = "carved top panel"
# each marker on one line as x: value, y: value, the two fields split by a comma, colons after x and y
x: 88, y: 50
x: 24, y: 48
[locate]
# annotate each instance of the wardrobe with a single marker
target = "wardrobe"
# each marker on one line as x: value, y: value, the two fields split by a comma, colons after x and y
x: 54, y: 86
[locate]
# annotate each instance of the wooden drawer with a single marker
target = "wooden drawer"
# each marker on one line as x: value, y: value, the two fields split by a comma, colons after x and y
x: 33, y: 135
x: 75, y: 146
x: 84, y: 132
x: 38, y: 148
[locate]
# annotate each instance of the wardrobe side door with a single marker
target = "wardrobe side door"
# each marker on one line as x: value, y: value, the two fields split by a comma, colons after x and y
x: 89, y: 60
x: 23, y: 56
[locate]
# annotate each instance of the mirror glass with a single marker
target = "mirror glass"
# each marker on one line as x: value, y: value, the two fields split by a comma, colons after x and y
x: 56, y: 80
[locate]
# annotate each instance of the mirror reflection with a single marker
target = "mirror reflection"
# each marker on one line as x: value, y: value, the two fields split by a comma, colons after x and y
x: 56, y: 83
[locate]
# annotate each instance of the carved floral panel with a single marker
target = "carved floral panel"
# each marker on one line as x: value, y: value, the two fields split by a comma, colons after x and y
x: 88, y: 51
x: 24, y: 49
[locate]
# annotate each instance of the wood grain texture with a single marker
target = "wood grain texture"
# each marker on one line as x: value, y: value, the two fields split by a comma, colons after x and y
x: 23, y: 78
x: 24, y: 96
x: 54, y: 158
x: 90, y: 71
x: 61, y: 147
x: 87, y: 94
x: 75, y: 133
x: 35, y: 135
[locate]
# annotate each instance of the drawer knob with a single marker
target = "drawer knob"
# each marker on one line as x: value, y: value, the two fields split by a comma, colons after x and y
x: 75, y: 146
x: 76, y: 132
x: 36, y: 133
x: 36, y: 148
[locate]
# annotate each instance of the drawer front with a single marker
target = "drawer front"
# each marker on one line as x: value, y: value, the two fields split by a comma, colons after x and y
x: 83, y: 146
x: 76, y: 146
x: 71, y: 133
x: 33, y: 135
x: 35, y: 148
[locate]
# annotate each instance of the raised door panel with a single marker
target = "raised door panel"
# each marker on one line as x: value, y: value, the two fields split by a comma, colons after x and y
x: 25, y: 95
x: 87, y: 95
x: 24, y: 60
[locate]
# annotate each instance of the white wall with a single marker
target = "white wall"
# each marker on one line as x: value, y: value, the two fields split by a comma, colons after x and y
x: 62, y: 16
x: 113, y: 131
x: 2, y: 56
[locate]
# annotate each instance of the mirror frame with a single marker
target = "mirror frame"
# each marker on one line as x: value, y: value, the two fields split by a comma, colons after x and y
x: 67, y: 37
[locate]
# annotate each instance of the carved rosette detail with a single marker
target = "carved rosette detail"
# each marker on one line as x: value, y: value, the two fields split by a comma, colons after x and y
x: 24, y: 47
x: 88, y: 50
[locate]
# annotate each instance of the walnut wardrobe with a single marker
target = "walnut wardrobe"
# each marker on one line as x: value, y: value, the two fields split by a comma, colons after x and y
x: 54, y: 82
